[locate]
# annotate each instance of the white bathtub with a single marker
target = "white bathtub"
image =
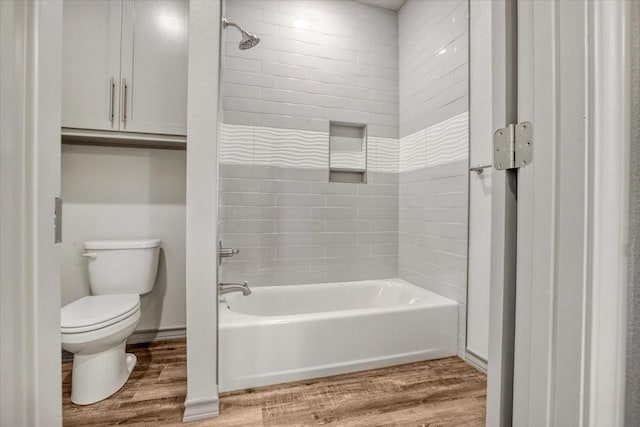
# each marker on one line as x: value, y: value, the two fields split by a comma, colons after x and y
x: 287, y: 333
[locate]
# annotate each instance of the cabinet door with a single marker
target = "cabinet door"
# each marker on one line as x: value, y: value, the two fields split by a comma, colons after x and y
x: 91, y: 64
x: 154, y: 66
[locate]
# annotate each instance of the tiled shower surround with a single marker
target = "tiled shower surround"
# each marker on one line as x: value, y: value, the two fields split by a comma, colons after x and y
x: 402, y: 74
x: 434, y: 103
x: 319, y: 60
x: 294, y: 227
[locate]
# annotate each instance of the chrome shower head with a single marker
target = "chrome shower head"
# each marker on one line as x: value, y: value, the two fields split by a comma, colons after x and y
x: 248, y: 40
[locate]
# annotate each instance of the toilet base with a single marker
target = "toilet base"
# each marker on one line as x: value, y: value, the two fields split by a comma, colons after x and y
x: 97, y: 376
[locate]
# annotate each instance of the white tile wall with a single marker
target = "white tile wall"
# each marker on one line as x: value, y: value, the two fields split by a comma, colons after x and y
x: 433, y: 57
x: 318, y: 61
x: 433, y: 228
x: 434, y: 140
x: 292, y: 226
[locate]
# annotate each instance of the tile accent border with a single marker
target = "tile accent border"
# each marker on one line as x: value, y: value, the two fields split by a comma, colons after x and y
x: 295, y: 148
x: 444, y: 142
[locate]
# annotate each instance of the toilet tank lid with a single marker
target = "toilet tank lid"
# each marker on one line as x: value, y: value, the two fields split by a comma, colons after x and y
x: 123, y: 244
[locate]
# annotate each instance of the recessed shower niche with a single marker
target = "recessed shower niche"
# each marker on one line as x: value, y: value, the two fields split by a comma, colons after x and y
x: 347, y: 152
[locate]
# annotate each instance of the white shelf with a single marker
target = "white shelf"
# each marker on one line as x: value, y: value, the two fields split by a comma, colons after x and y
x: 126, y: 139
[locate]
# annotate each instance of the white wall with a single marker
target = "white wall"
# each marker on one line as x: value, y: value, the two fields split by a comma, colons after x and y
x: 120, y: 193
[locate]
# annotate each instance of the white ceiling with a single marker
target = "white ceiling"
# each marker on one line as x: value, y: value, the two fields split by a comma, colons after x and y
x: 387, y: 4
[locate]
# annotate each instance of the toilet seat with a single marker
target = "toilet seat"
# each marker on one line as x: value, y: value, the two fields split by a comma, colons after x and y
x: 96, y: 312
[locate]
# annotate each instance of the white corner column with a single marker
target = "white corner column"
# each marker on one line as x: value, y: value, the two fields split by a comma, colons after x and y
x: 202, y: 212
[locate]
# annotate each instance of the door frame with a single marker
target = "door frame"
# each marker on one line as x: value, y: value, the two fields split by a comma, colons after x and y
x: 572, y: 236
x: 30, y: 181
x: 503, y: 220
x: 30, y: 105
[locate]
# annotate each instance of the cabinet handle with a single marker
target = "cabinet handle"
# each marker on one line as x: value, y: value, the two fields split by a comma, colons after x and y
x: 111, y: 98
x: 124, y: 102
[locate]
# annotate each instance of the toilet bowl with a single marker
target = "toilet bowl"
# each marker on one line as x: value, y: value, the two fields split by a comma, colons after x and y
x: 95, y: 328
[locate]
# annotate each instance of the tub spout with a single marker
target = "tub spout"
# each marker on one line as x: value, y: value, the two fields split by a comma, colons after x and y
x: 225, y: 288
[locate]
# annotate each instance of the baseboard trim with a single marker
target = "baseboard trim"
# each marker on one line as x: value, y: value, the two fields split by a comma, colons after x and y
x: 200, y: 409
x: 476, y: 361
x: 152, y: 335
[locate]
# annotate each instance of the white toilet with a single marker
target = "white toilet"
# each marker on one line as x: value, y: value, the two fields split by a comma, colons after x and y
x: 95, y: 328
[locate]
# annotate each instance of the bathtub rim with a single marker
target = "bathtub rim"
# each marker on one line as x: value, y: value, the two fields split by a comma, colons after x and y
x: 233, y: 319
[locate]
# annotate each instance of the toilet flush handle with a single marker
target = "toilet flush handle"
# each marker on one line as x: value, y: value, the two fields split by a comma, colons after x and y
x: 90, y: 255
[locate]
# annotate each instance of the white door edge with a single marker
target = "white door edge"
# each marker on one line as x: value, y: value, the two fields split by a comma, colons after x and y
x: 608, y: 249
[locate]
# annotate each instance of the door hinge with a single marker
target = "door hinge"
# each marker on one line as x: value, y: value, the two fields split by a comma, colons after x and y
x: 513, y: 146
x: 57, y: 223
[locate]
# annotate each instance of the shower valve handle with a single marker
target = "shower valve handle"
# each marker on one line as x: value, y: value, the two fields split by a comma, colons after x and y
x: 225, y: 252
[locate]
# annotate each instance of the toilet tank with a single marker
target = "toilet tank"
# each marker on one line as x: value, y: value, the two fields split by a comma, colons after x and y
x: 122, y: 266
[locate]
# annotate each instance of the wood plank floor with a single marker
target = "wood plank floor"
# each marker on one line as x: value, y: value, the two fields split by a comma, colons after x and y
x: 444, y: 392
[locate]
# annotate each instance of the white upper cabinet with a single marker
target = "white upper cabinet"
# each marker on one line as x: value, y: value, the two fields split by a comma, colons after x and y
x: 125, y: 66
x: 91, y: 64
x: 154, y: 66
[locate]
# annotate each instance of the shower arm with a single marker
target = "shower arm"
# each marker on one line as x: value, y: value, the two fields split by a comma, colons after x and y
x: 226, y: 24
